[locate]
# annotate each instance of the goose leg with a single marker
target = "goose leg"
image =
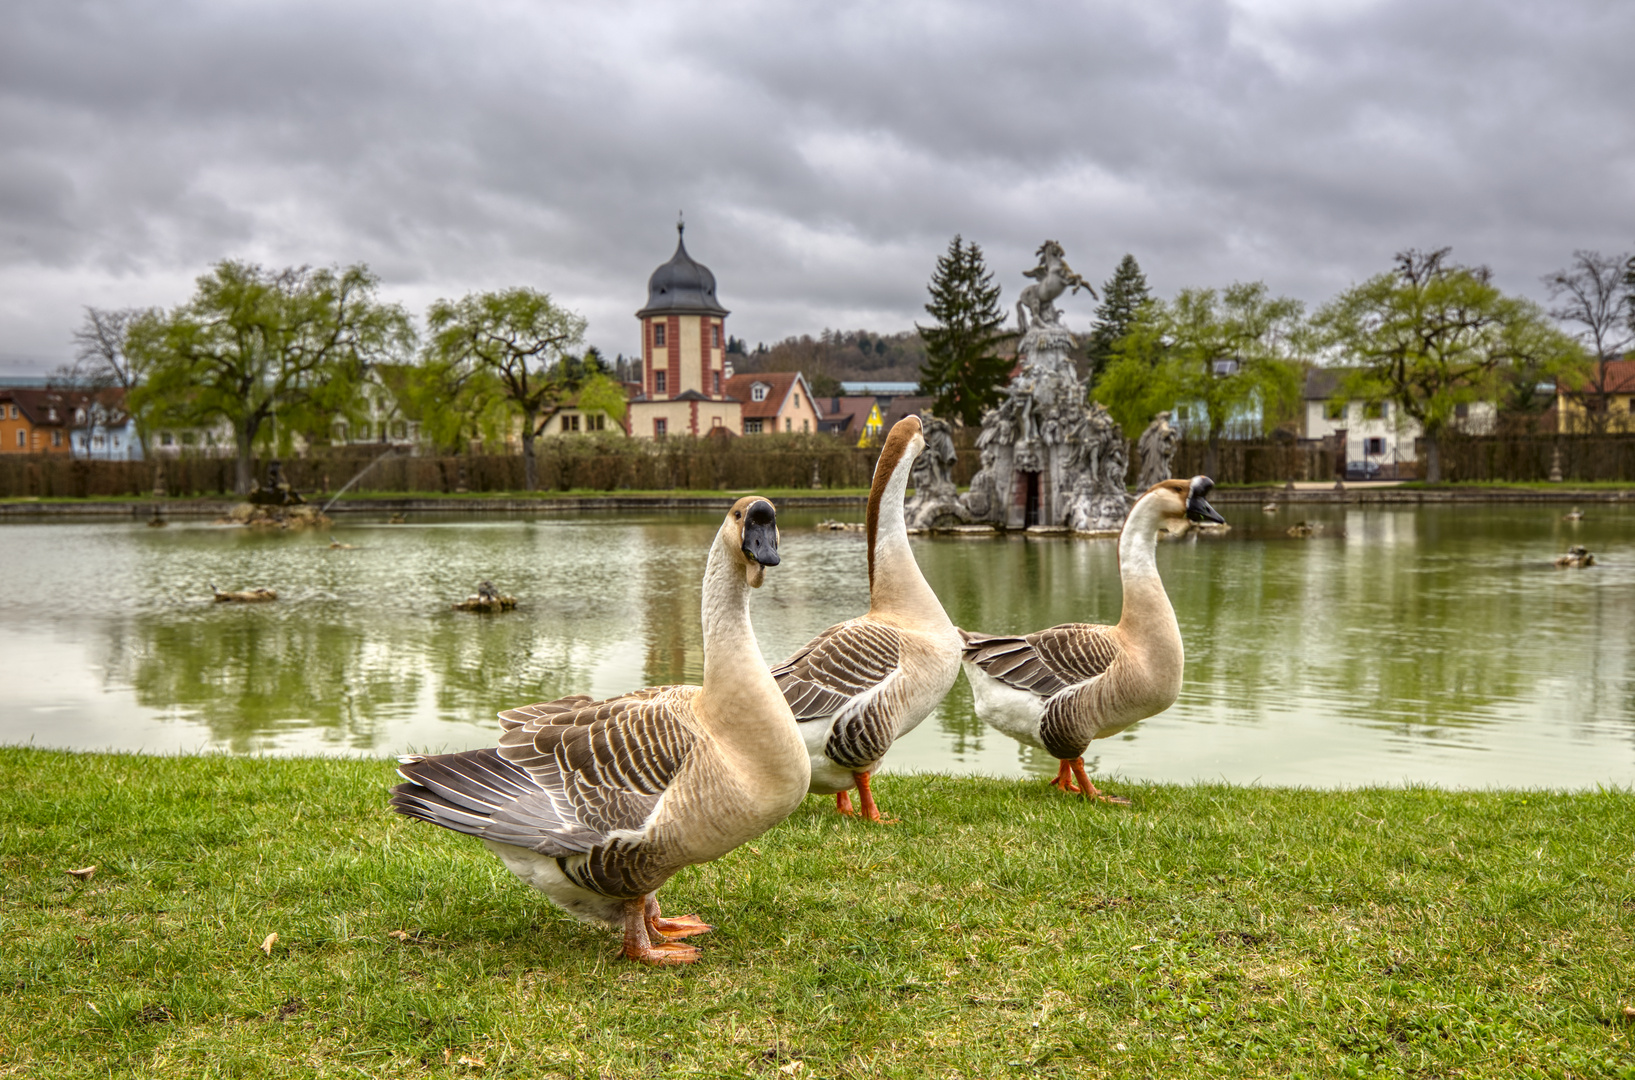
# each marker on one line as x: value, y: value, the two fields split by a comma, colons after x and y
x: 679, y: 927
x: 1064, y: 778
x: 870, y: 812
x: 843, y: 803
x: 1089, y: 789
x: 640, y: 948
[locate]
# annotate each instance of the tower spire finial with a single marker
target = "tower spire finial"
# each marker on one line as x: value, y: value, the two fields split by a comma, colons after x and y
x: 681, y: 223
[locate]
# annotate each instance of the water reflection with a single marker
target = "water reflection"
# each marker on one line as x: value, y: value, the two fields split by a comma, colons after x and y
x: 1436, y: 645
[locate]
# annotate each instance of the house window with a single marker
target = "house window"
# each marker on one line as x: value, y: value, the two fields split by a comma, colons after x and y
x: 661, y: 427
x: 1181, y: 413
x: 752, y: 427
x: 658, y: 335
x: 570, y: 423
x: 797, y: 399
x: 715, y: 421
x: 22, y: 439
x: 1373, y: 447
x: 166, y: 439
x: 1461, y: 412
x: 806, y: 426
x: 1374, y: 410
x: 56, y: 438
x: 788, y: 424
x: 758, y: 392
x: 717, y: 383
x: 715, y: 337
x: 1333, y: 410
x: 14, y: 412
x: 596, y: 422
x: 659, y: 379
x: 96, y: 441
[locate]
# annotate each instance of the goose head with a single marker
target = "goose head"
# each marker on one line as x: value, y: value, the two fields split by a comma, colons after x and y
x: 1181, y: 503
x: 751, y: 530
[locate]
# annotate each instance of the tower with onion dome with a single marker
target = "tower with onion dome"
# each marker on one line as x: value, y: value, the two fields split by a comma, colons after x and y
x: 684, y: 352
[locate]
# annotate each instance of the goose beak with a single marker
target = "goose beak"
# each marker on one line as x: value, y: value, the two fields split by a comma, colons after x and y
x: 1198, y: 508
x: 760, y: 534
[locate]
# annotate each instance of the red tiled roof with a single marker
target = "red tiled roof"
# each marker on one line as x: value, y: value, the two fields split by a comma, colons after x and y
x: 1620, y: 378
x: 844, y: 412
x: 778, y: 384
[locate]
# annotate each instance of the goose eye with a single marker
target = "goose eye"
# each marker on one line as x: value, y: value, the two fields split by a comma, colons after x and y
x: 737, y: 515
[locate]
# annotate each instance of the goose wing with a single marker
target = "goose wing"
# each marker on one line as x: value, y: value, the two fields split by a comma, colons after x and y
x: 606, y: 764
x: 567, y: 777
x: 1046, y: 662
x: 833, y: 670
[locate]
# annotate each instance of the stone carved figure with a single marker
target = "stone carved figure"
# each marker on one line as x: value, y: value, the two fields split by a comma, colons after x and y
x: 934, y: 470
x: 1051, y: 277
x: 277, y: 491
x: 936, y: 500
x: 1047, y: 457
x: 1157, y: 447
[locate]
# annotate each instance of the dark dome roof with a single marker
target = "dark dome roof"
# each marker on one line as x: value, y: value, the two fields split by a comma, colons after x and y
x: 681, y: 286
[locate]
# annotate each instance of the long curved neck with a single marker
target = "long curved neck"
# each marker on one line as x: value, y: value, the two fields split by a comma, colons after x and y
x: 731, y: 654
x: 896, y: 586
x: 1147, y: 610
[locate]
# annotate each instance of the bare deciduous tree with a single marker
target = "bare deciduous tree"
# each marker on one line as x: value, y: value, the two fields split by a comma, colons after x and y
x: 1597, y: 294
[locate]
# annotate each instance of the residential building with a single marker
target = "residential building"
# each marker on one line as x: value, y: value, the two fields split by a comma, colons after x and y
x: 683, y: 354
x: 35, y: 421
x: 857, y: 417
x: 772, y: 401
x: 1379, y: 439
x: 102, y: 428
x: 1582, y: 408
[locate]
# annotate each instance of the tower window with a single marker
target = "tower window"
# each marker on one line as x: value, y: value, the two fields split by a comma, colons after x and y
x: 715, y: 337
x: 717, y: 383
x: 659, y: 380
x: 658, y: 335
x: 661, y: 427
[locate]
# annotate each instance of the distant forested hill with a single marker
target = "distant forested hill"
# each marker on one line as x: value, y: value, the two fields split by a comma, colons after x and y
x: 836, y: 356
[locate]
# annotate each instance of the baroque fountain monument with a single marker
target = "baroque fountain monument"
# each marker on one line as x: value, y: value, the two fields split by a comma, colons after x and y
x: 1048, y: 458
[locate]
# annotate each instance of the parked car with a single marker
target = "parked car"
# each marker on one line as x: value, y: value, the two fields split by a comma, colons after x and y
x: 1362, y: 470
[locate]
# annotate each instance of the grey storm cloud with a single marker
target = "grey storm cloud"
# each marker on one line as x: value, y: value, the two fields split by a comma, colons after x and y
x: 824, y: 155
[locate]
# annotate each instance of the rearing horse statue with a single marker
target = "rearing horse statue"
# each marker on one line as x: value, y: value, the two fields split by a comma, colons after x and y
x: 1052, y: 278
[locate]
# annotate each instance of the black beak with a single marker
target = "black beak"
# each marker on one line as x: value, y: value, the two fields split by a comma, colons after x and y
x: 761, y: 533
x: 1198, y: 508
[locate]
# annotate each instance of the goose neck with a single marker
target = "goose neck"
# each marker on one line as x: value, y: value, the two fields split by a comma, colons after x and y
x: 896, y: 585
x: 728, y: 636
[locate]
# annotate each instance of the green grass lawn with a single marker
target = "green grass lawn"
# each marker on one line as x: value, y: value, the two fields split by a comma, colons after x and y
x: 1001, y: 930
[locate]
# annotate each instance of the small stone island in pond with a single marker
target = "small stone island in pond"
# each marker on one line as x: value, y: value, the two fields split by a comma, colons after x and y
x: 487, y: 598
x: 244, y: 596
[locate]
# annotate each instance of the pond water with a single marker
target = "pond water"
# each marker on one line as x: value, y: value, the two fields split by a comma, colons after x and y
x: 1427, y: 645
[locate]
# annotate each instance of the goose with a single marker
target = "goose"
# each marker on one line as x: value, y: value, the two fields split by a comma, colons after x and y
x: 1573, y: 515
x: 862, y: 684
x: 597, y: 803
x: 1576, y: 557
x: 1269, y: 508
x: 1060, y: 688
x: 1301, y: 530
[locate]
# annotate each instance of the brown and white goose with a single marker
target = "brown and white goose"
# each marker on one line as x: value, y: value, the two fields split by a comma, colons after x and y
x: 862, y: 684
x: 1060, y: 688
x: 597, y: 803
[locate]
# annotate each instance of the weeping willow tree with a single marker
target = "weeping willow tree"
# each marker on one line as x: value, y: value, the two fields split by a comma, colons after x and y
x: 510, y: 354
x: 1232, y: 357
x: 256, y: 345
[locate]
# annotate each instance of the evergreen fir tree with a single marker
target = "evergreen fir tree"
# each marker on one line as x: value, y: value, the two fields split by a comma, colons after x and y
x: 1121, y: 302
x: 961, y: 370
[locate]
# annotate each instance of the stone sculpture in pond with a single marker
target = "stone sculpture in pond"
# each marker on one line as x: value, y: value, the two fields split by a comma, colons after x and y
x: 1047, y: 457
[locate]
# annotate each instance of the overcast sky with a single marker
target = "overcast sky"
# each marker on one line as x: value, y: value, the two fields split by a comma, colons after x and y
x: 824, y: 154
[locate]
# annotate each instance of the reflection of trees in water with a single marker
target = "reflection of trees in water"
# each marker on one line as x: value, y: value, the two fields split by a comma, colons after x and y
x: 248, y: 677
x: 672, y: 575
